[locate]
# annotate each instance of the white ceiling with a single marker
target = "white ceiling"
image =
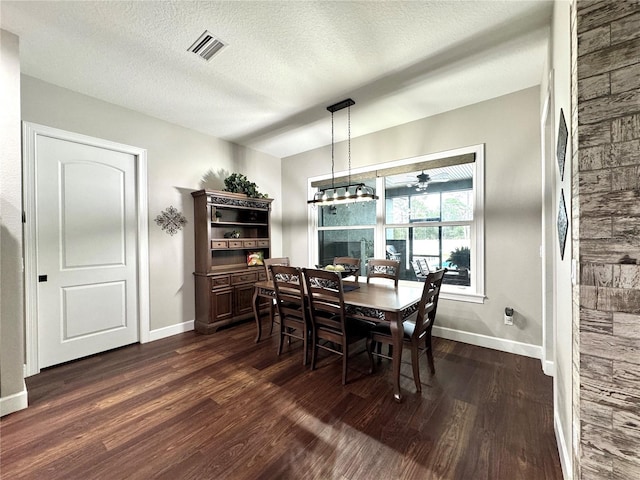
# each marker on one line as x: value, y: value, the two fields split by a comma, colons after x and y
x: 286, y: 61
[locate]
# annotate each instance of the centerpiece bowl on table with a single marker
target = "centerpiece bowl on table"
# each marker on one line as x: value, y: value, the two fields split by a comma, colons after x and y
x: 343, y: 270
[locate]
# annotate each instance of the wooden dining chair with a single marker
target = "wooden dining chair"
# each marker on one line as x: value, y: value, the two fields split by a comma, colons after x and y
x: 267, y: 263
x: 329, y: 321
x: 351, y: 262
x: 416, y: 332
x: 378, y: 268
x: 291, y: 305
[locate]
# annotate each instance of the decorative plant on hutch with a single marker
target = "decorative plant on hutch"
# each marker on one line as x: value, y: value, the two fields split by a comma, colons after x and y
x: 238, y: 183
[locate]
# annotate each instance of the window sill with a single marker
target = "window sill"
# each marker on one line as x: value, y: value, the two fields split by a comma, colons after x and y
x: 457, y: 294
x: 462, y: 296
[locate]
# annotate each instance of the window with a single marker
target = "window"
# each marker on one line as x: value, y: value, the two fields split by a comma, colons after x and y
x: 432, y: 221
x: 346, y: 230
x: 430, y: 209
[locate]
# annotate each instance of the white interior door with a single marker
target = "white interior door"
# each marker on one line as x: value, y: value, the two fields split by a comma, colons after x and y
x: 86, y: 241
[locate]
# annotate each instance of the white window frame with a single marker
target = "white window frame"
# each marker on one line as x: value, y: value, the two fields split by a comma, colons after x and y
x: 474, y: 293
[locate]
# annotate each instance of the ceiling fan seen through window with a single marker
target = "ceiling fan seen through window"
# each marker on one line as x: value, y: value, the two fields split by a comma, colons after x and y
x: 424, y: 179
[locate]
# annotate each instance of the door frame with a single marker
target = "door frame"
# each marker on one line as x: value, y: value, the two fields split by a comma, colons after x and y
x: 30, y: 132
x: 549, y: 234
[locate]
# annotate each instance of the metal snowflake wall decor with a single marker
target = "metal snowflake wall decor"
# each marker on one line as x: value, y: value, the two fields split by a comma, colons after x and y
x: 171, y: 220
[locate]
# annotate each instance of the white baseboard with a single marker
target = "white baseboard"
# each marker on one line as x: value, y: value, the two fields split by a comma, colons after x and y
x: 565, y: 457
x: 510, y: 346
x: 165, y: 332
x: 15, y: 402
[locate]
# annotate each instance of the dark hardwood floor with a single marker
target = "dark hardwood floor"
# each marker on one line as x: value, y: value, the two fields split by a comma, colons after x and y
x: 222, y: 407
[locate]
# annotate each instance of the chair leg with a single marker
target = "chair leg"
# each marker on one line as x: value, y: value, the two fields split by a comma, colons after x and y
x: 272, y: 309
x: 414, y: 363
x: 379, y: 350
x: 304, y: 346
x: 280, y: 338
x: 370, y: 343
x: 427, y: 342
x: 314, y: 351
x: 345, y: 356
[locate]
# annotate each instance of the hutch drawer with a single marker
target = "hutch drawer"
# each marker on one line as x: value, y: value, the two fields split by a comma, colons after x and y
x: 220, y: 281
x: 219, y: 243
x: 238, y: 278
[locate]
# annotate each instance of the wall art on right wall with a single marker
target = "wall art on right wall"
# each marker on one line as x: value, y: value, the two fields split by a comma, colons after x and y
x: 561, y: 150
x: 563, y: 224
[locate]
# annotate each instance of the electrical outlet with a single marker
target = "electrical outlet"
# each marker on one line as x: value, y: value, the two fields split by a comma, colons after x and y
x: 508, y: 316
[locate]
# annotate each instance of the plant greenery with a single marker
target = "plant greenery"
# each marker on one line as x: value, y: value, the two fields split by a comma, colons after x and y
x: 460, y: 257
x: 238, y: 183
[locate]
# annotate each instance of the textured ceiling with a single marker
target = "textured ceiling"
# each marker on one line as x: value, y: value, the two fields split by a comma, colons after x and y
x: 285, y: 60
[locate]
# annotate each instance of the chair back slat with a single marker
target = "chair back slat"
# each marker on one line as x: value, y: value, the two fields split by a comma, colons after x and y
x: 352, y: 262
x: 429, y: 302
x: 281, y: 261
x: 378, y: 268
x: 289, y: 289
x: 326, y: 299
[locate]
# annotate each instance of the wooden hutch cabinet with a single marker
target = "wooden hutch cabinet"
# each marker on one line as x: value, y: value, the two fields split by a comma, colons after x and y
x: 228, y: 227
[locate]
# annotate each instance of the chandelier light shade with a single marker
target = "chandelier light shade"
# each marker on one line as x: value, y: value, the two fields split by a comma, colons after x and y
x: 352, y: 192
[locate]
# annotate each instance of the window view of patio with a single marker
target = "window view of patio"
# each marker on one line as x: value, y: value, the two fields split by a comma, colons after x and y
x: 424, y: 218
x: 432, y: 222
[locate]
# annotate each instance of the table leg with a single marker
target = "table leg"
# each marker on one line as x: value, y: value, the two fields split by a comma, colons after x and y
x: 396, y: 334
x: 256, y: 314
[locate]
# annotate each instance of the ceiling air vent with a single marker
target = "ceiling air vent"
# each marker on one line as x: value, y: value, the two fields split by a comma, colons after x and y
x: 206, y: 46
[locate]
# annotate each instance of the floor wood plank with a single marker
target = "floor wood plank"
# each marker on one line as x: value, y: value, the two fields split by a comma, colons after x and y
x: 220, y: 406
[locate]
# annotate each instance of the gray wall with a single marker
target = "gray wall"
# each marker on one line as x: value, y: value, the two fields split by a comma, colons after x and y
x: 509, y: 126
x: 11, y: 304
x: 179, y: 161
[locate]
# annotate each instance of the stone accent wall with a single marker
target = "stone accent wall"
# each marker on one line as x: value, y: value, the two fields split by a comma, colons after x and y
x: 575, y: 246
x: 607, y: 198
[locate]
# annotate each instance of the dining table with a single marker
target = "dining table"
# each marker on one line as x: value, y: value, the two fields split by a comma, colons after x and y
x: 377, y: 302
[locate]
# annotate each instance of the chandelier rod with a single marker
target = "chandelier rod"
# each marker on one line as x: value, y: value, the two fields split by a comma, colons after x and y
x: 333, y: 177
x: 349, y: 137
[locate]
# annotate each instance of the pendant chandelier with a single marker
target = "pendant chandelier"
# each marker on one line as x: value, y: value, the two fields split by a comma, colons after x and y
x: 352, y: 192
